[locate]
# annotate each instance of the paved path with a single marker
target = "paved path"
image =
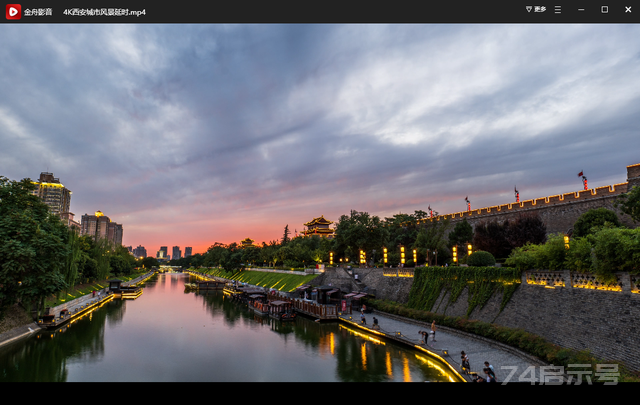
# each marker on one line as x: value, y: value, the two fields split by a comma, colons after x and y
x: 73, y: 306
x: 479, y: 350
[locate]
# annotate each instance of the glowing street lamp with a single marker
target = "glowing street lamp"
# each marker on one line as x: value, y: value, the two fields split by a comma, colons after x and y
x: 363, y: 257
x: 331, y: 258
x: 402, y: 255
x: 566, y: 241
x: 385, y: 256
x: 455, y: 254
x: 415, y: 257
x: 469, y: 249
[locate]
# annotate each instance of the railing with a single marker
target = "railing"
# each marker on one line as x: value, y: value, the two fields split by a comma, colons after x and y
x: 318, y: 310
x: 398, y: 272
x: 550, y: 278
x: 312, y: 308
x: 565, y: 279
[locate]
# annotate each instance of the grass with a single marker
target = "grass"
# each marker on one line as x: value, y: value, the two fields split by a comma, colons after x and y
x: 80, y: 290
x: 280, y: 281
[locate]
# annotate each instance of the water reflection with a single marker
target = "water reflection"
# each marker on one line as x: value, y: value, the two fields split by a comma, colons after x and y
x: 169, y: 335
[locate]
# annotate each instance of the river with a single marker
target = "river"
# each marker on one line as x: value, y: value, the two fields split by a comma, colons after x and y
x: 170, y: 335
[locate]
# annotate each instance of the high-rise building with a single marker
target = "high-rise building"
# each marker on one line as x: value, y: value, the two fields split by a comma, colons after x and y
x: 187, y: 251
x: 162, y: 253
x: 56, y: 196
x: 177, y: 254
x: 100, y: 226
x: 140, y: 252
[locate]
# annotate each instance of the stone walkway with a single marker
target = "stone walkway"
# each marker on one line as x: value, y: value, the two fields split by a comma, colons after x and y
x: 477, y: 349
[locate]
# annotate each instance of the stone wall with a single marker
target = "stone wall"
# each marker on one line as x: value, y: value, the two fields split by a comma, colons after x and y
x: 337, y: 277
x: 604, y: 322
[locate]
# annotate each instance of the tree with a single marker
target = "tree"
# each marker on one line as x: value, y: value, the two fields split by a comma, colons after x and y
x: 461, y: 235
x: 33, y: 247
x: 149, y: 262
x: 629, y: 203
x: 432, y: 238
x: 358, y: 231
x: 285, y: 237
x: 594, y: 218
x: 527, y: 228
x: 492, y: 237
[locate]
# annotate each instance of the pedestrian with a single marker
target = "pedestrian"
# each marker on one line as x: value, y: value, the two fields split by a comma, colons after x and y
x: 489, y: 367
x: 362, y: 318
x: 465, y: 362
x: 489, y: 376
x: 425, y: 336
x: 446, y: 265
x: 433, y: 330
x: 375, y: 323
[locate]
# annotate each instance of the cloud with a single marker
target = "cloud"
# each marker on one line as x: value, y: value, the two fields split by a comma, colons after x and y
x: 228, y: 130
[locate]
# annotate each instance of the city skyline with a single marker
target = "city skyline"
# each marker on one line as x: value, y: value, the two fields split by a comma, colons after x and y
x: 216, y: 133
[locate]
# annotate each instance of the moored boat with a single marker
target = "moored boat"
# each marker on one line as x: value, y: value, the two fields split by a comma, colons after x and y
x: 281, y: 310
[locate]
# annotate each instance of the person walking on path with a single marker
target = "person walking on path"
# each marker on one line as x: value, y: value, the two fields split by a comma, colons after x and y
x: 433, y: 330
x: 465, y: 362
x: 489, y: 376
x: 489, y: 367
x: 375, y: 323
x: 362, y: 318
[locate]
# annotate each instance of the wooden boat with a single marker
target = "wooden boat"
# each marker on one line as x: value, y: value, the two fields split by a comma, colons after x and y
x: 281, y: 310
x: 190, y: 286
x: 260, y: 307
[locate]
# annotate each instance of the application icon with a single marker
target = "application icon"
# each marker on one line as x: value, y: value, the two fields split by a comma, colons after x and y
x: 604, y: 9
x: 14, y: 11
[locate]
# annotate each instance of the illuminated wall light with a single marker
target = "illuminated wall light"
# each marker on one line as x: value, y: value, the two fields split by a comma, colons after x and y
x: 455, y: 254
x: 385, y: 255
x: 402, y: 254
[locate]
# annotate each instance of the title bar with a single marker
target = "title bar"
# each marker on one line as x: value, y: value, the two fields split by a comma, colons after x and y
x: 528, y: 12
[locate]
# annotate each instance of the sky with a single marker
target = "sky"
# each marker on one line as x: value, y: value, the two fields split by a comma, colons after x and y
x: 192, y: 134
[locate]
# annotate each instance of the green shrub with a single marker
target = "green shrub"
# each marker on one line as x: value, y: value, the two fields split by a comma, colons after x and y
x: 552, y: 255
x: 578, y: 257
x: 615, y: 249
x: 481, y: 258
x: 594, y: 218
x: 523, y: 258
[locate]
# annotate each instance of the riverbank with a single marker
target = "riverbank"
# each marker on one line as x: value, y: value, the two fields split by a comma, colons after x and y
x: 449, y: 344
x: 16, y: 324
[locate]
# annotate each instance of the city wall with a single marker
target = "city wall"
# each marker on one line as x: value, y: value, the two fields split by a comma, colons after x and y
x: 565, y: 309
x: 558, y: 212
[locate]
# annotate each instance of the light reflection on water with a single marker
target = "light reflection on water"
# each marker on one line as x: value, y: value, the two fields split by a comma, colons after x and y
x: 169, y: 335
